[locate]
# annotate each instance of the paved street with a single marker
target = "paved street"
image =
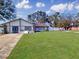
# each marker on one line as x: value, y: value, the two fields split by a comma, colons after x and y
x: 7, y: 43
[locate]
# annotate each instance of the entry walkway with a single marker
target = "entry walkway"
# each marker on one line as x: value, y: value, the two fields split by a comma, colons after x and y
x: 7, y: 43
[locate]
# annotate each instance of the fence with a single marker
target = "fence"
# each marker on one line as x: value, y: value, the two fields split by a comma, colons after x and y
x: 75, y: 28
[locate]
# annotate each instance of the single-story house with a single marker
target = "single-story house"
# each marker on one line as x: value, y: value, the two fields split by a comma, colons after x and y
x: 38, y: 27
x: 17, y: 26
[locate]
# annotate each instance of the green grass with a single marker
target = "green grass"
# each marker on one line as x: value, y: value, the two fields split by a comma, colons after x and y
x: 47, y: 45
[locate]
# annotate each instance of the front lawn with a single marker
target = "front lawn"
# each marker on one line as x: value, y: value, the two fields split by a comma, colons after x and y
x: 47, y: 45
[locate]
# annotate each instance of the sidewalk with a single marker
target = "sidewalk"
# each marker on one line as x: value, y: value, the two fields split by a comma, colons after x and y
x: 7, y: 43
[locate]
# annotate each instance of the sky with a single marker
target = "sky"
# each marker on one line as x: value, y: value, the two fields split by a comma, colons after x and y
x: 26, y: 7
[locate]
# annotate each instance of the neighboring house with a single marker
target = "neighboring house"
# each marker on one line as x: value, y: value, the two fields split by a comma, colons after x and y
x: 38, y: 27
x: 17, y: 26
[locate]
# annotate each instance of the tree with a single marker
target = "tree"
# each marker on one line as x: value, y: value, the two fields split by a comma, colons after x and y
x: 7, y: 10
x: 56, y: 18
x: 63, y: 23
x: 38, y: 16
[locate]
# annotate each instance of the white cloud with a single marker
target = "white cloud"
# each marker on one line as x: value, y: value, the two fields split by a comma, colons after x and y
x: 24, y: 4
x: 70, y: 6
x: 62, y: 7
x: 76, y: 4
x: 77, y: 7
x: 58, y: 8
x: 40, y: 4
x: 27, y: 6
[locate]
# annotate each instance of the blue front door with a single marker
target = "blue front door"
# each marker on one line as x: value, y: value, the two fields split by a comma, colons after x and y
x: 15, y: 29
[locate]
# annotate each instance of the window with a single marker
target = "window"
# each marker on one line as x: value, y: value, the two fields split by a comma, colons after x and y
x: 28, y: 28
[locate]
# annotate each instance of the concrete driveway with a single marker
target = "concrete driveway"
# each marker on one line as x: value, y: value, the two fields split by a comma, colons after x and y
x: 7, y: 43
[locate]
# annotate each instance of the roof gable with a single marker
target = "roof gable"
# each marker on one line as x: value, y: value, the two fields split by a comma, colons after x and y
x: 15, y: 20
